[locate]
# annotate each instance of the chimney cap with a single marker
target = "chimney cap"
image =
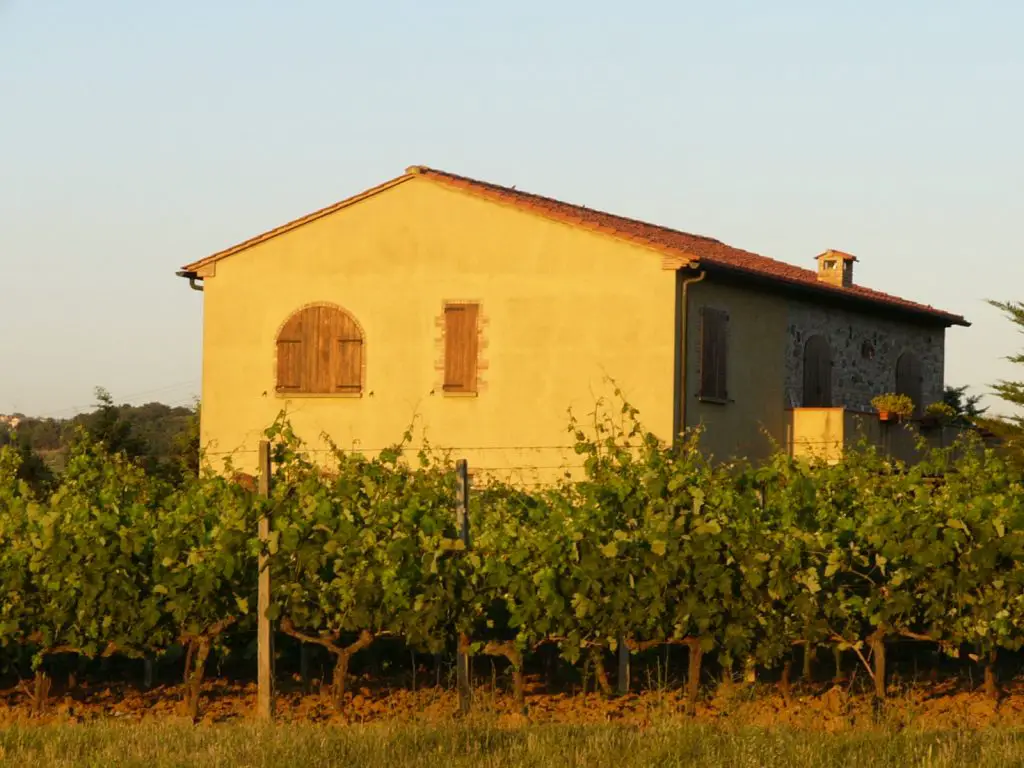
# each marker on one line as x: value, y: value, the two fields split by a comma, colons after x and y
x: 832, y: 253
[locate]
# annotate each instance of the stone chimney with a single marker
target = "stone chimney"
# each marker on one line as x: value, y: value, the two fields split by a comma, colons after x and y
x: 836, y: 268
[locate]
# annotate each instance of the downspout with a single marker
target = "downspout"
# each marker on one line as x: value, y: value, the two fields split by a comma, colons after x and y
x: 682, y: 349
x: 192, y: 277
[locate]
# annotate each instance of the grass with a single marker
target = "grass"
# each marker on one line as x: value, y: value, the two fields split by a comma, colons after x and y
x: 164, y: 744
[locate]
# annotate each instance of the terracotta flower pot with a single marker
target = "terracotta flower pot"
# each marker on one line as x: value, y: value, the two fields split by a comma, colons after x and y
x: 888, y: 416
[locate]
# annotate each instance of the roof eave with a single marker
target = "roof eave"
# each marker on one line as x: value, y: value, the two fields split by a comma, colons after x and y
x: 933, y: 316
x: 196, y: 266
x: 673, y: 257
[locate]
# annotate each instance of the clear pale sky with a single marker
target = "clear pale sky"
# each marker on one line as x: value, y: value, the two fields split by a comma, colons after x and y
x: 138, y: 136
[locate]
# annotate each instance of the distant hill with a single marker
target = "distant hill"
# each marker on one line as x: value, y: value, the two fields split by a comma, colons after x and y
x: 160, y: 436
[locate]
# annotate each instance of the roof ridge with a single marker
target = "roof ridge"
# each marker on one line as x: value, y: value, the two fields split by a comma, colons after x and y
x: 673, y: 243
x: 427, y: 170
x: 707, y: 250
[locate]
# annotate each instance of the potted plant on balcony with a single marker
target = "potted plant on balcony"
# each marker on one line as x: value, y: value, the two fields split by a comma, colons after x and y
x: 937, y: 415
x: 893, y: 407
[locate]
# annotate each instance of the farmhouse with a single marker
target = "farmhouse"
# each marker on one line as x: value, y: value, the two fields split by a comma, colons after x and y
x: 485, y: 312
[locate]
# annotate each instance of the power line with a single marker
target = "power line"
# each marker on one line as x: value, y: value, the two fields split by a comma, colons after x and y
x: 443, y: 448
x: 76, y: 409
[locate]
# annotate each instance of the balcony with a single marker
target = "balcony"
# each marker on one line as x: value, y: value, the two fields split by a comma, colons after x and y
x: 825, y: 433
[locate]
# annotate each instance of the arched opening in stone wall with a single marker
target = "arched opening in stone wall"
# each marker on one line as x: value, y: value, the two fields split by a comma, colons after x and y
x: 909, y: 380
x: 817, y: 373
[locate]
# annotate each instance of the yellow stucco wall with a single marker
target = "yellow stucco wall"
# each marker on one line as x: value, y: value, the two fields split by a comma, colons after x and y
x: 562, y: 309
x: 818, y: 434
x: 755, y: 371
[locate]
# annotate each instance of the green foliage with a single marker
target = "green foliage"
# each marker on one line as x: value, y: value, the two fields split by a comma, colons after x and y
x: 32, y: 468
x: 203, y: 561
x: 185, y: 453
x: 75, y: 568
x: 17, y: 504
x: 1012, y: 392
x: 1009, y: 430
x: 966, y: 408
x: 364, y: 544
x: 943, y: 413
x: 163, y: 439
x: 106, y: 425
x: 901, y: 405
x: 652, y: 544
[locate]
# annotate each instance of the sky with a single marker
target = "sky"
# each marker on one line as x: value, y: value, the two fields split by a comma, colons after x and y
x: 136, y: 137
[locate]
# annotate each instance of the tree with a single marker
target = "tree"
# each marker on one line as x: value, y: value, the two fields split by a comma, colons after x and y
x: 32, y: 469
x: 185, y: 448
x: 1010, y: 429
x: 162, y: 439
x: 108, y: 426
x: 965, y: 406
x: 1012, y: 391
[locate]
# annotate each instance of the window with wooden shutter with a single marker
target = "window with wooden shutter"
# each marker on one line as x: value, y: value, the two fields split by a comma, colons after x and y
x: 460, y: 347
x: 909, y: 380
x: 320, y: 351
x: 817, y: 373
x: 348, y: 365
x: 289, y: 365
x: 714, y: 324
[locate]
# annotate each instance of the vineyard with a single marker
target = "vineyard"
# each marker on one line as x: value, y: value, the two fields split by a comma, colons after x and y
x: 747, y: 569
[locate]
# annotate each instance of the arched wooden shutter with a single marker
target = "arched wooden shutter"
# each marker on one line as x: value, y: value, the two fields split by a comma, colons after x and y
x: 817, y: 373
x: 320, y: 351
x: 347, y: 353
x: 294, y: 346
x: 909, y: 380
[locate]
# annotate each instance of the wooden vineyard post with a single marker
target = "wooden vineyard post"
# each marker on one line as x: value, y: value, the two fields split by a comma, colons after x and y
x: 304, y: 666
x: 462, y: 501
x: 147, y: 672
x: 462, y: 524
x: 623, y: 666
x: 264, y: 634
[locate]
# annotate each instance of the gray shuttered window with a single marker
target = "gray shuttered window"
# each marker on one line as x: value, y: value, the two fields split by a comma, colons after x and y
x: 714, y: 353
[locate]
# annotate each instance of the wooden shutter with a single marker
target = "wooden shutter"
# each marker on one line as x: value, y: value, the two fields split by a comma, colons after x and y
x: 320, y: 351
x: 323, y: 377
x: 817, y: 373
x: 289, y: 365
x: 348, y: 365
x: 713, y: 354
x: 909, y: 380
x: 343, y: 358
x: 294, y: 344
x: 460, y: 347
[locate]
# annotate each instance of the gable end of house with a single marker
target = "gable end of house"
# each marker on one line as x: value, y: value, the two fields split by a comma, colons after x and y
x: 677, y: 249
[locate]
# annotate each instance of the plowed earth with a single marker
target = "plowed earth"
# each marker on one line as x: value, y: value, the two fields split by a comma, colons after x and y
x: 937, y: 706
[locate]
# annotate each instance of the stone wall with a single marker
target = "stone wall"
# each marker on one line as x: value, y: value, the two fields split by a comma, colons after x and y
x: 864, y: 353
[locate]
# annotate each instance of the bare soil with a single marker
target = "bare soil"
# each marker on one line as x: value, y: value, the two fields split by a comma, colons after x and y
x: 830, y: 708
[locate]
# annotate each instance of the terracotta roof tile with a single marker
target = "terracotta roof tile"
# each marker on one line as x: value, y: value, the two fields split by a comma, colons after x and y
x: 705, y: 250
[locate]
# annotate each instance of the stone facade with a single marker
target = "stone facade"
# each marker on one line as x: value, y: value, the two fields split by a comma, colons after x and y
x: 865, y: 349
